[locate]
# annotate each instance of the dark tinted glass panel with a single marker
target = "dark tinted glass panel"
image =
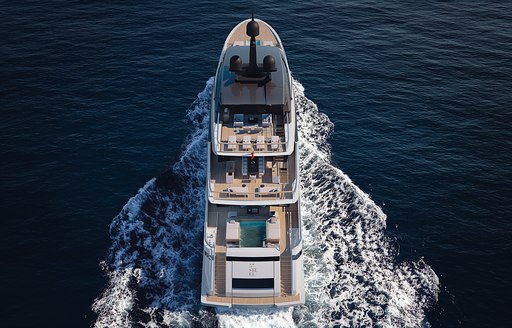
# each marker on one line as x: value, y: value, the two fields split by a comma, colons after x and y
x: 253, y: 283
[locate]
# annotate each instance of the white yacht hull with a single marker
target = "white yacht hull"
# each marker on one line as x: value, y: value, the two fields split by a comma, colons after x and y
x: 252, y: 247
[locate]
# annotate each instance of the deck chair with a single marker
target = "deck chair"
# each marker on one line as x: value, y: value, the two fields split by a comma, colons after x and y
x: 246, y: 144
x: 266, y: 120
x: 232, y: 142
x: 238, y: 120
x: 274, y: 142
x: 260, y: 142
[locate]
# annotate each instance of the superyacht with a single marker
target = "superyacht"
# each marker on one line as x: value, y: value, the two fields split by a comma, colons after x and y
x: 252, y: 246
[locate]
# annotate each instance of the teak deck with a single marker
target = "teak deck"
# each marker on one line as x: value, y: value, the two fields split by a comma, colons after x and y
x: 281, y: 188
x: 217, y: 218
x: 231, y: 177
x: 254, y: 300
x: 240, y: 35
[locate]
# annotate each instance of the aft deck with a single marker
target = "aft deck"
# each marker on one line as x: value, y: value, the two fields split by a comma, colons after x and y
x: 254, y: 300
x: 218, y: 218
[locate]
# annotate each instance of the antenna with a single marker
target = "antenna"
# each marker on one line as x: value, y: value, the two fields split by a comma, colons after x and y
x: 253, y: 30
x: 252, y: 72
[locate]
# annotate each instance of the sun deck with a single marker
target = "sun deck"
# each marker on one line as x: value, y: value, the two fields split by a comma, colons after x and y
x: 252, y: 115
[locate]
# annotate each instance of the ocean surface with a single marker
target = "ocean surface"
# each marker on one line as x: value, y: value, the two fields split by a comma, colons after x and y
x: 404, y: 111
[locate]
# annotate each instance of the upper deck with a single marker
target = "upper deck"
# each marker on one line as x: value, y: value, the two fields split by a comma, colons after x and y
x: 253, y: 114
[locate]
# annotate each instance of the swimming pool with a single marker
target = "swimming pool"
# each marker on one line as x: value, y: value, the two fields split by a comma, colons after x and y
x: 252, y: 233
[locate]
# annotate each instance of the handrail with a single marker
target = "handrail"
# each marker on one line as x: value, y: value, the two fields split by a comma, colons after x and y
x: 281, y: 146
x: 211, y: 189
x: 256, y: 195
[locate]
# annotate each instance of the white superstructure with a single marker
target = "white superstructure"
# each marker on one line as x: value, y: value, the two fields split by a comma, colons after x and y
x: 252, y: 241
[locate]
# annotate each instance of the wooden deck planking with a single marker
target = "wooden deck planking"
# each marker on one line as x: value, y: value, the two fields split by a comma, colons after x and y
x: 253, y: 300
x: 240, y: 34
x: 287, y: 298
x: 284, y: 188
x: 220, y: 214
x: 253, y: 132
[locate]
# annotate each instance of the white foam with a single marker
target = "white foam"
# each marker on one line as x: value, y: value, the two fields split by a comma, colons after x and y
x: 247, y: 318
x: 352, y: 277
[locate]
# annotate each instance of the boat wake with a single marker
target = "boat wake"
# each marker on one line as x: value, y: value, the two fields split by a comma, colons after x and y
x: 352, y: 276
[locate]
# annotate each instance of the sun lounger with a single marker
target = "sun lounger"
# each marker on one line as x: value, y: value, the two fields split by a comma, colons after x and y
x: 232, y: 231
x: 273, y: 230
x: 268, y: 189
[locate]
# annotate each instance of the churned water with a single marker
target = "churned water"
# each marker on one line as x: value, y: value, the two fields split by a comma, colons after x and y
x: 404, y: 124
x: 352, y: 278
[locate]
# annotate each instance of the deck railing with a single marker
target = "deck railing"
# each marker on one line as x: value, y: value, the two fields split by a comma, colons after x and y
x: 240, y: 147
x: 241, y: 192
x: 236, y: 195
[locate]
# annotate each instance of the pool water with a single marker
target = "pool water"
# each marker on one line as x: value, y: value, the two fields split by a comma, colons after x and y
x: 252, y: 233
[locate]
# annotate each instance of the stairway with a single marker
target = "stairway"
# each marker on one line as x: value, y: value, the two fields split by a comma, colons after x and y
x: 220, y: 274
x: 261, y: 166
x: 286, y: 274
x: 245, y: 161
x: 280, y: 130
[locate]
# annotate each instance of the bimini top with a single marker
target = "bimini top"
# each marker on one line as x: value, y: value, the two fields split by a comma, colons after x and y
x: 238, y: 91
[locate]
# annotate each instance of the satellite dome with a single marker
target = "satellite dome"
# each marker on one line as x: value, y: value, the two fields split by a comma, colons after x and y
x: 235, y: 63
x: 253, y: 28
x: 269, y: 63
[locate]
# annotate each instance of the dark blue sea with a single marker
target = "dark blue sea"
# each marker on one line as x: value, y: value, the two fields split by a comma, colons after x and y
x: 405, y: 113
